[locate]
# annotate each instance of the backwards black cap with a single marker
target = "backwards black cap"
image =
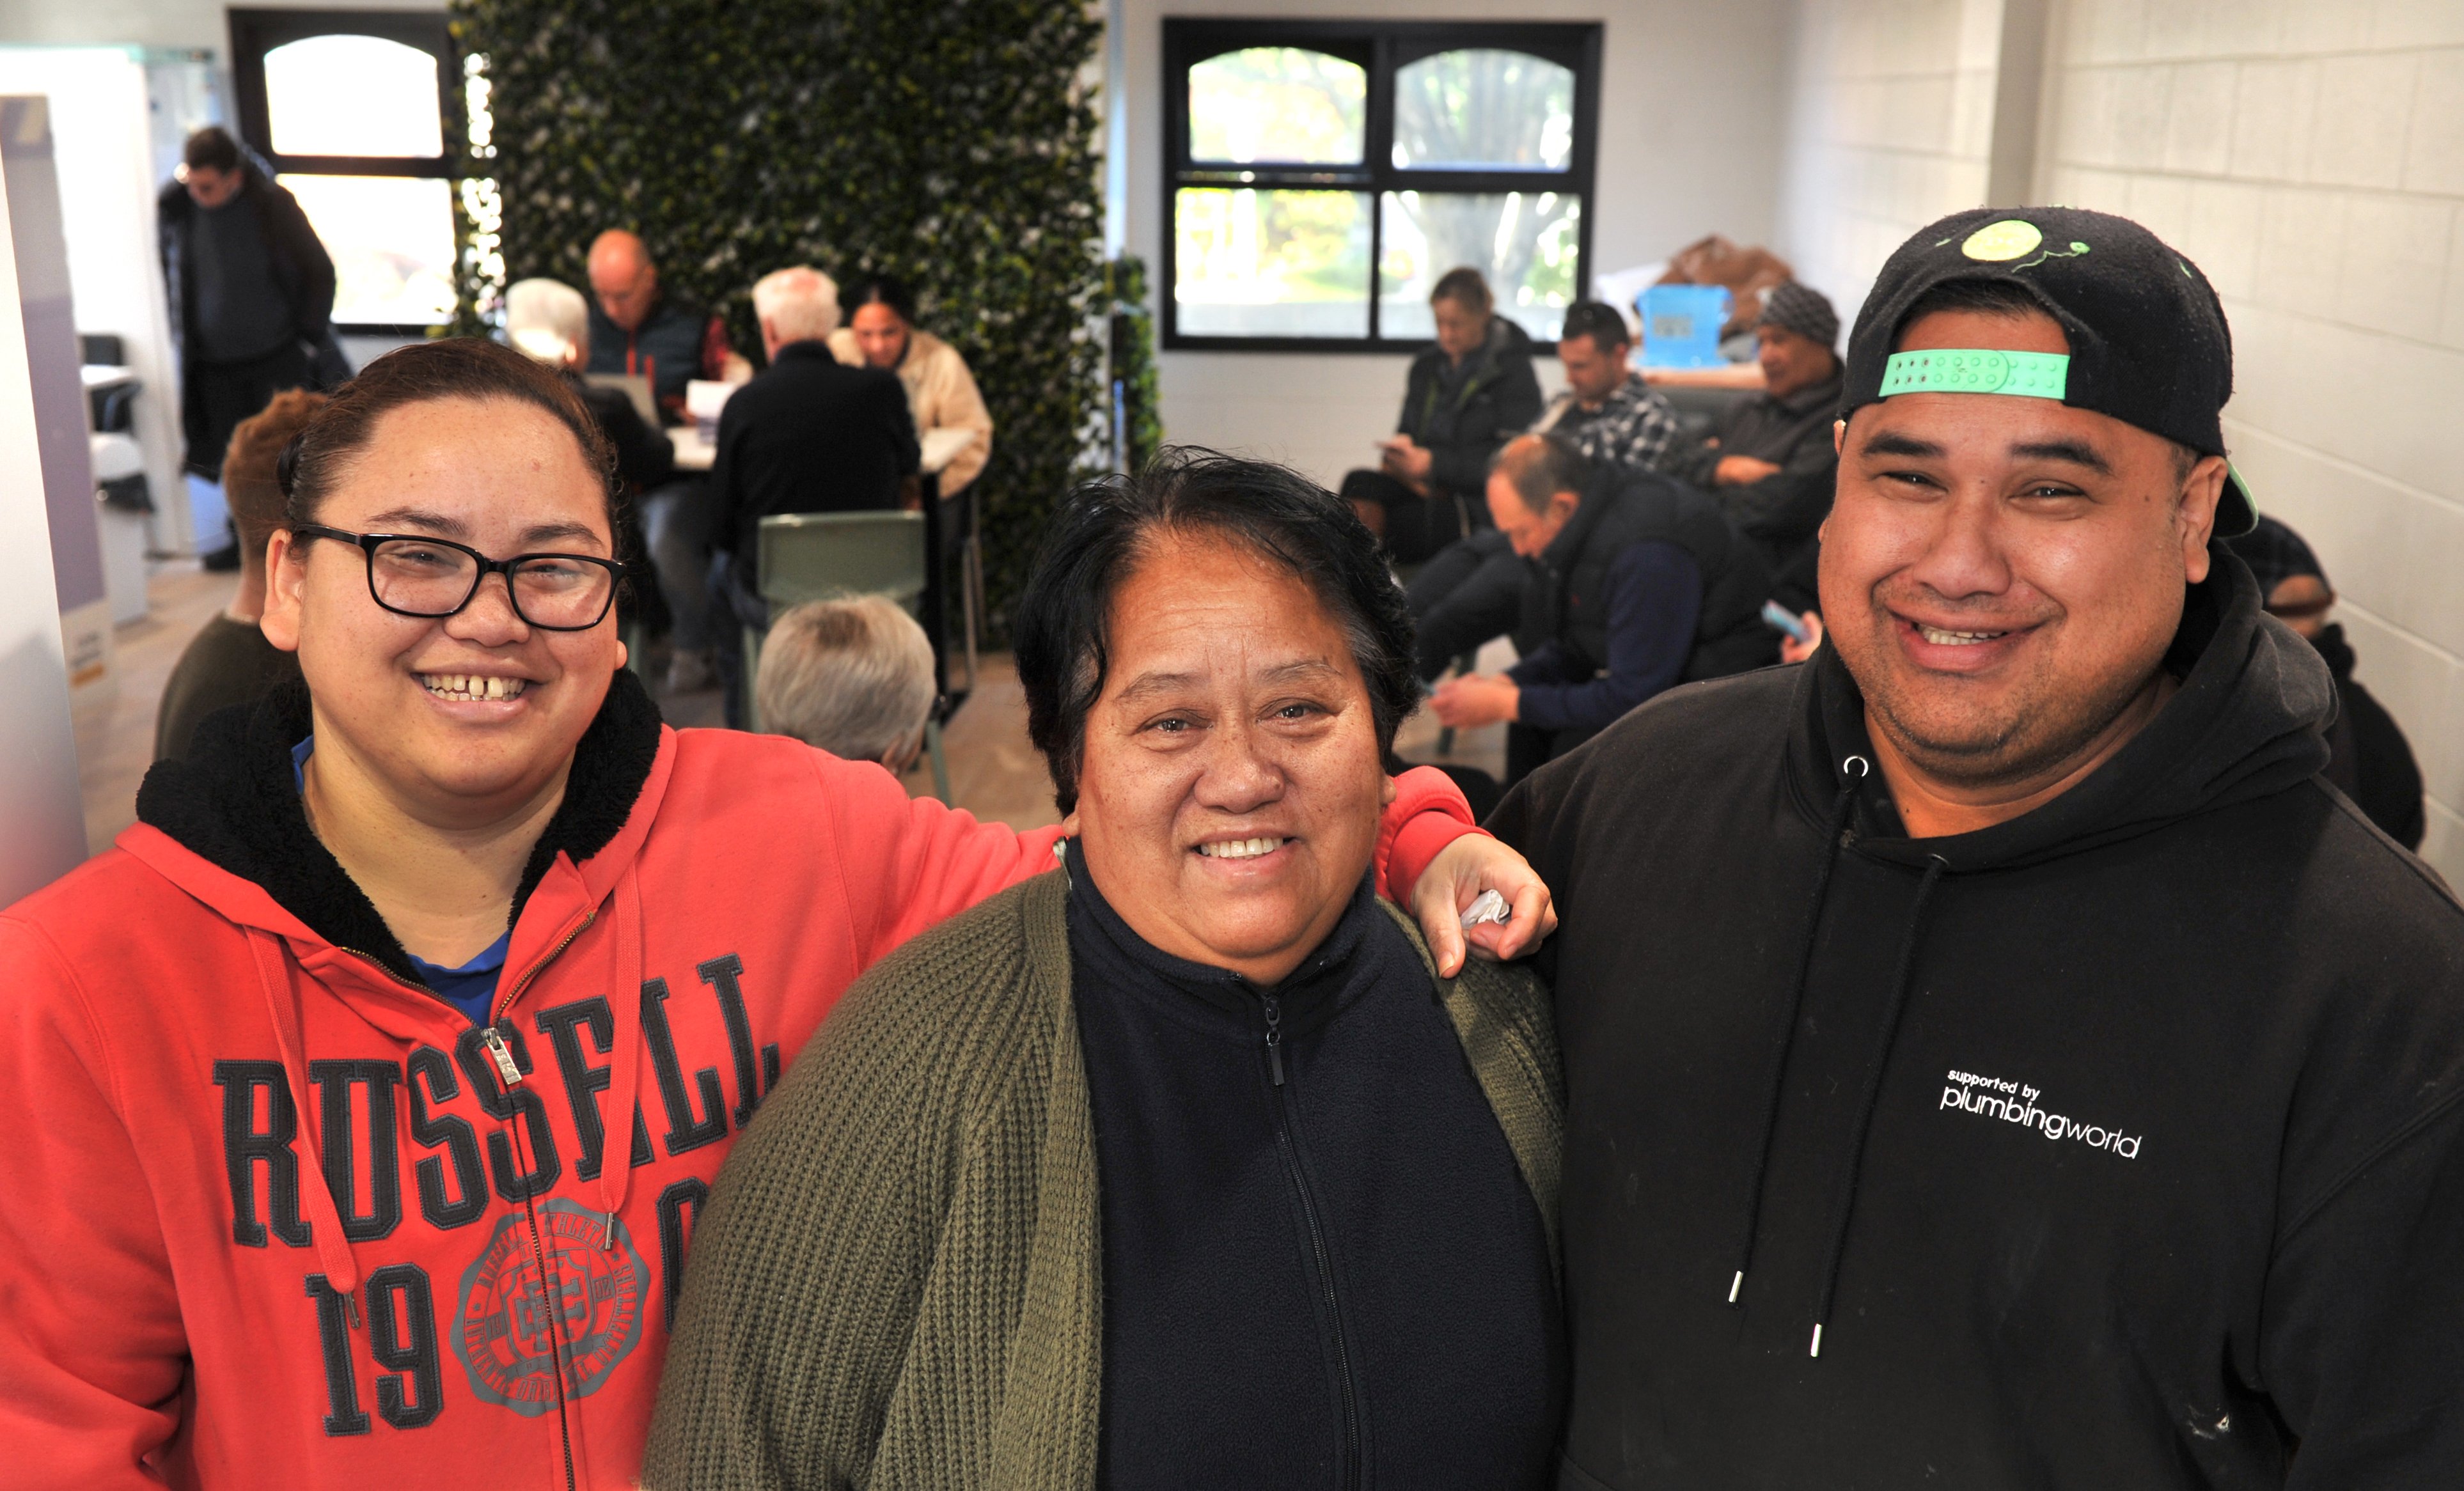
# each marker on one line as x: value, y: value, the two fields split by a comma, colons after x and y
x: 2147, y: 336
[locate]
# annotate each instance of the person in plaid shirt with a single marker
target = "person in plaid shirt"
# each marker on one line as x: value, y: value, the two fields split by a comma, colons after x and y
x: 1472, y: 589
x: 1607, y: 411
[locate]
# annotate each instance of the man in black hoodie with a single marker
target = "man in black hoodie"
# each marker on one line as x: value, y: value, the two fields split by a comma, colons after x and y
x: 1994, y: 1058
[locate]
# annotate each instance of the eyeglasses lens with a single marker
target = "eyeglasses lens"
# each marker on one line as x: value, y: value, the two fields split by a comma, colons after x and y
x: 432, y: 580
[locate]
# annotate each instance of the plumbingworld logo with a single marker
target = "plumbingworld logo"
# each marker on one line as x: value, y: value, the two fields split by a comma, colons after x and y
x: 2016, y: 1103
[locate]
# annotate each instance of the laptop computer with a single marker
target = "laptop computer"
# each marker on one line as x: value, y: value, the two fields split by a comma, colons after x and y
x: 634, y: 387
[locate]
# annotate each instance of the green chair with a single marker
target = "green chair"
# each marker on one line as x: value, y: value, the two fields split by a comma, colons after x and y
x: 813, y: 555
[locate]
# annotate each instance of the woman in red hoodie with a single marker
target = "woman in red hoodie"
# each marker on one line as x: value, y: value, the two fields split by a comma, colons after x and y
x: 360, y: 1103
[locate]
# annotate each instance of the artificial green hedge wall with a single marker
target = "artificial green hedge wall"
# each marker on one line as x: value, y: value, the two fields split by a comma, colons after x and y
x: 952, y: 144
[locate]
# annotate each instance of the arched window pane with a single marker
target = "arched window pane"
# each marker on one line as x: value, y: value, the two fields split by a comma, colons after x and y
x: 1523, y: 243
x: 1485, y: 108
x: 392, y: 242
x: 347, y: 94
x: 1253, y: 263
x: 1281, y: 104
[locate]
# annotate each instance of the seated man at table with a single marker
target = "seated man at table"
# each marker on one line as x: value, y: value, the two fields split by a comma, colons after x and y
x: 1769, y: 459
x: 1636, y: 583
x: 809, y: 434
x: 549, y: 322
x: 638, y: 329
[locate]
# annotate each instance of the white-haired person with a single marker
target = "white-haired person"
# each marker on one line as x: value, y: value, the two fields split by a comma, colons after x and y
x: 806, y: 435
x: 852, y: 675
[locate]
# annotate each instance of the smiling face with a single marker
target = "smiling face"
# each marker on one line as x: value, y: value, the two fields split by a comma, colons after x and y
x: 461, y: 720
x: 1229, y: 787
x: 2002, y: 575
x: 881, y: 333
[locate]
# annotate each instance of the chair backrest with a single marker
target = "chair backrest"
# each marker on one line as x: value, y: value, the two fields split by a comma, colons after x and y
x: 812, y: 556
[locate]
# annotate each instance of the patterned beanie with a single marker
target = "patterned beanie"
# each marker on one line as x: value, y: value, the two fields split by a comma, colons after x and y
x: 1808, y: 313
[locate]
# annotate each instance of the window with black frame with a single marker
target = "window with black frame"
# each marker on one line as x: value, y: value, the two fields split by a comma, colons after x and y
x: 350, y: 108
x: 1321, y: 175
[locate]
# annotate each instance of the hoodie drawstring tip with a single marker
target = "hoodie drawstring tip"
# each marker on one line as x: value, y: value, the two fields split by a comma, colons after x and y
x: 1736, y: 1287
x: 1816, y: 1348
x: 607, y: 1233
x: 351, y: 1308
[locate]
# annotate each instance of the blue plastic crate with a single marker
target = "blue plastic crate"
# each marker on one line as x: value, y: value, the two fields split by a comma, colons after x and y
x: 1681, y: 325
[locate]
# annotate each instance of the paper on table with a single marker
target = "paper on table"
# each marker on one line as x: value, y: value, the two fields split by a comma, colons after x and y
x: 694, y: 453
x: 941, y: 446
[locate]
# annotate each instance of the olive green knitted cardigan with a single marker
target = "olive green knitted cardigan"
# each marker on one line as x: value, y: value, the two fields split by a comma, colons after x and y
x: 897, y: 1283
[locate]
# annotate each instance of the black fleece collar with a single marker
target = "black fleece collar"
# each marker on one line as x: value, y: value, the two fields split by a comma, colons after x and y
x: 234, y: 802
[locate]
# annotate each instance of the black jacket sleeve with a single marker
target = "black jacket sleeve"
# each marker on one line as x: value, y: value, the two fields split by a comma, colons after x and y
x: 295, y: 241
x: 645, y: 458
x: 2362, y: 1331
x: 725, y: 492
x: 1495, y: 415
x: 1786, y: 507
x: 898, y: 424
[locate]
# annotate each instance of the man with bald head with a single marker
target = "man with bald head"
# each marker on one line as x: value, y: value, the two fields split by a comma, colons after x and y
x: 637, y: 329
x: 1631, y: 583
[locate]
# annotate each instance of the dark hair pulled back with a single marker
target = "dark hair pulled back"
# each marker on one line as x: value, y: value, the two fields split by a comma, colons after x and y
x: 457, y: 367
x: 884, y: 289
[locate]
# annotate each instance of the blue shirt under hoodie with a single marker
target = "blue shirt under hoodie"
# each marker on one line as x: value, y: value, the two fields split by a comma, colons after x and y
x: 1321, y: 1265
x: 470, y: 988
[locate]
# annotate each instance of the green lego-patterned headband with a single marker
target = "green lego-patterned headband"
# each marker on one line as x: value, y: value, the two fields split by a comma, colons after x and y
x: 2033, y: 375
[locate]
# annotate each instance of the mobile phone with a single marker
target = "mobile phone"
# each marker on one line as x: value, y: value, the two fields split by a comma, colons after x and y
x: 1779, y: 617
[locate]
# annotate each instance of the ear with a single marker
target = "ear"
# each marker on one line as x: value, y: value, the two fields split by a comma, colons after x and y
x: 1385, y: 790
x: 1563, y: 505
x: 1838, y: 435
x: 286, y: 575
x: 2195, y: 514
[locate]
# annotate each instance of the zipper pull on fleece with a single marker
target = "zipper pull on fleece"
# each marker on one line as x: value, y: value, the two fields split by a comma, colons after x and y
x: 1275, y: 1039
x: 503, y: 1055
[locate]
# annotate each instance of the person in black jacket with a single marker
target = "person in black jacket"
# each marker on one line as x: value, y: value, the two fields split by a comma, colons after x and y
x: 1464, y: 399
x: 2369, y: 758
x: 1994, y: 1056
x: 808, y: 435
x: 1768, y: 458
x: 1630, y: 584
x: 251, y: 295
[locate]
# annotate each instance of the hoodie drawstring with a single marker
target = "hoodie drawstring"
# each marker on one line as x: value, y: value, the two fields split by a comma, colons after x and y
x: 325, y: 1213
x: 1855, y: 769
x: 616, y: 1155
x: 1846, y: 1206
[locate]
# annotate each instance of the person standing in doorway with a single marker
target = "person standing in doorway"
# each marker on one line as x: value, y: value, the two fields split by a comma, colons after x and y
x: 251, y: 292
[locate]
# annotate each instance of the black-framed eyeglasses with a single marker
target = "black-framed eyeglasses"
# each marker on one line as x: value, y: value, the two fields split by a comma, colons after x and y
x: 415, y: 574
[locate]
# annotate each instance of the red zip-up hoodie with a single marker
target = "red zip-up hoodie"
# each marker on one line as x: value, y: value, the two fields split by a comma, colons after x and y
x: 270, y: 1212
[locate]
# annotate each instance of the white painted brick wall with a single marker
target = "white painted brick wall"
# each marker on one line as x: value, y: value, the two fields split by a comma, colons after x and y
x: 2309, y: 155
x: 1891, y: 123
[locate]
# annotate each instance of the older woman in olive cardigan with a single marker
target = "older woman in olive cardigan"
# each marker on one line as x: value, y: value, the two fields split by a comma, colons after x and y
x: 1184, y: 1168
